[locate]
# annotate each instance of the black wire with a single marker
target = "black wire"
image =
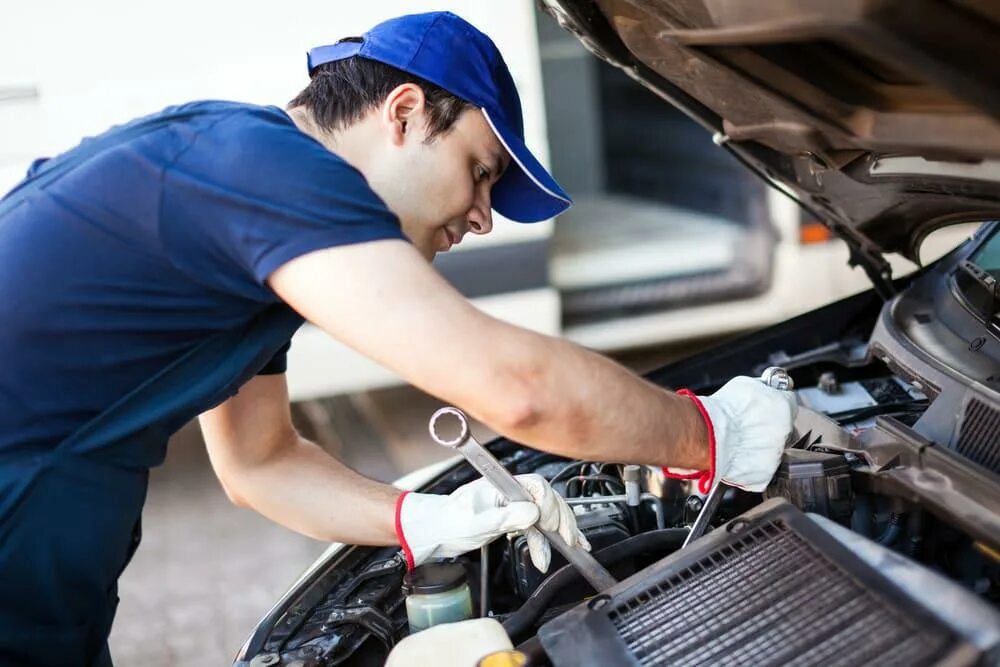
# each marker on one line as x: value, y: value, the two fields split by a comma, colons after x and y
x: 569, y: 467
x: 583, y: 480
x: 867, y: 412
x: 617, y: 472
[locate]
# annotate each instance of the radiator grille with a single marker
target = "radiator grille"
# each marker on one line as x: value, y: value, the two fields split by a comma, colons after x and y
x: 770, y: 598
x: 979, y: 440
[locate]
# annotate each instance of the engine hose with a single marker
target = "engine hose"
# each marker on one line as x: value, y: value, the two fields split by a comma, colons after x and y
x: 523, y: 620
x: 892, y: 531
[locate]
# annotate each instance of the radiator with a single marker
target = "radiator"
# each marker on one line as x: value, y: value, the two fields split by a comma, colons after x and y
x: 979, y: 435
x: 770, y: 588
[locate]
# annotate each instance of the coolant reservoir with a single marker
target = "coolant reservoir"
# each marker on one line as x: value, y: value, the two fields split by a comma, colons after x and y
x: 436, y: 593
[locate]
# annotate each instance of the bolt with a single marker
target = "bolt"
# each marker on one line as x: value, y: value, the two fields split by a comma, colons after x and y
x: 694, y: 504
x: 977, y: 344
x: 737, y: 526
x: 599, y: 602
x: 828, y: 383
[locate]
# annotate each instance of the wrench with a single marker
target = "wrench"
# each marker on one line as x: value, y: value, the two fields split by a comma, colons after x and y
x: 776, y: 378
x: 480, y: 459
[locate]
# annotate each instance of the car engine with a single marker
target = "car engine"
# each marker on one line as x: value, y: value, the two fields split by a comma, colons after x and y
x: 876, y: 542
x: 808, y: 557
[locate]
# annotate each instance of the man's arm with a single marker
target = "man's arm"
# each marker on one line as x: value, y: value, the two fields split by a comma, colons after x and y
x: 264, y: 464
x: 385, y: 301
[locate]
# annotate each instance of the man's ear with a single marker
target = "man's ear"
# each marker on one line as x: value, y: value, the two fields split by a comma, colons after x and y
x: 403, y: 112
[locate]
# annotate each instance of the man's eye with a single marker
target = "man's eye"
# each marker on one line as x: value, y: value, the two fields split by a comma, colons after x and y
x: 482, y: 173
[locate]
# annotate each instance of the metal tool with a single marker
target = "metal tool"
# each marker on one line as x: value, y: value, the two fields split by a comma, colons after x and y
x: 484, y: 581
x: 706, y: 513
x: 776, y: 378
x: 480, y: 459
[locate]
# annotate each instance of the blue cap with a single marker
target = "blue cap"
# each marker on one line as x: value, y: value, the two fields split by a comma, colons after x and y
x: 449, y: 52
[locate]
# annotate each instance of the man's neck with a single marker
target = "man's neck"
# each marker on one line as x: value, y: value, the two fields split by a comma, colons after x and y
x: 304, y: 120
x: 351, y: 144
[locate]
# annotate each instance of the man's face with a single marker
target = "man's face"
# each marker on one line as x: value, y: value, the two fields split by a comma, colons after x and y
x: 440, y: 190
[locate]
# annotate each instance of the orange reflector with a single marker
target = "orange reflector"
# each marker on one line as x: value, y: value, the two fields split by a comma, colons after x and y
x: 507, y: 658
x: 814, y: 232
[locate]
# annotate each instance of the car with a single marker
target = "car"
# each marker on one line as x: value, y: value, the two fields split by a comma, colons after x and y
x: 878, y: 539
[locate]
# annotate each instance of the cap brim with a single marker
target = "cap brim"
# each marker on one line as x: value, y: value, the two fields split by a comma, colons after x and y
x: 526, y: 192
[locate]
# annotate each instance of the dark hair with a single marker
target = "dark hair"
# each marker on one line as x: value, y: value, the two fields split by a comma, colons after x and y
x: 341, y: 92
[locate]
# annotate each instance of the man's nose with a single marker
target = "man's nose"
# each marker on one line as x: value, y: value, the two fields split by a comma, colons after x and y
x: 480, y: 216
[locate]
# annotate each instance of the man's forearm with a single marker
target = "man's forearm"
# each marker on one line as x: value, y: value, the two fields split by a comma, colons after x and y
x: 587, y: 406
x: 305, y: 489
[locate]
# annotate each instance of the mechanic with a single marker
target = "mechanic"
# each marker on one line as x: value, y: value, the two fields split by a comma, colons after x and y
x: 157, y: 272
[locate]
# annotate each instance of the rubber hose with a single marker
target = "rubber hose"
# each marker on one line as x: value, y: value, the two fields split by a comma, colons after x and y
x: 861, y: 518
x: 534, y: 653
x: 891, y: 533
x: 522, y: 620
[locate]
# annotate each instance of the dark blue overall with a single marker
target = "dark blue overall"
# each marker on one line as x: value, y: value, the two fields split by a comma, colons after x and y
x: 134, y: 296
x: 69, y: 518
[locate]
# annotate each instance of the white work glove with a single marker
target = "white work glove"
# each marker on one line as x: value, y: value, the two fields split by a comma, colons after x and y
x: 748, y: 426
x: 436, y: 526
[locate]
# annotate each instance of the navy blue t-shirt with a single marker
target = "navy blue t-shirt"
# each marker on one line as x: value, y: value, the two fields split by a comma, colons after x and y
x: 156, y: 235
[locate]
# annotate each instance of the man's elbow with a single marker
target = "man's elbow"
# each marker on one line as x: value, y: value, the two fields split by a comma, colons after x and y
x: 532, y: 403
x: 230, y: 487
x: 519, y: 404
x: 519, y: 414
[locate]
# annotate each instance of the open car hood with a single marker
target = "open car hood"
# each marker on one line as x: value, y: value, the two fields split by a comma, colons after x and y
x: 879, y: 116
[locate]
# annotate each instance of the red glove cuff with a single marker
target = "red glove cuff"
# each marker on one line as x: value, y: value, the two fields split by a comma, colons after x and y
x: 399, y: 532
x: 704, y: 477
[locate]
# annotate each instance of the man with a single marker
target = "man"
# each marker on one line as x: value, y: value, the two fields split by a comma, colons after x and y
x: 157, y: 272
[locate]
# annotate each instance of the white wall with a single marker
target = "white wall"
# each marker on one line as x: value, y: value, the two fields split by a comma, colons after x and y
x: 103, y: 62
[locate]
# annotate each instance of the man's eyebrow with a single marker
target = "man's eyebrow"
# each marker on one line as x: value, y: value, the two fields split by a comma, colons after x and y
x: 498, y: 165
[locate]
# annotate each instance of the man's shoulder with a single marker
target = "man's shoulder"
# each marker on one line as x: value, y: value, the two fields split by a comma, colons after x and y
x: 216, y: 109
x: 236, y: 121
x: 257, y: 138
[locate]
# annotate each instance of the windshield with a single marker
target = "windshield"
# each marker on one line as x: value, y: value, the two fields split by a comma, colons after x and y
x: 978, y: 278
x: 987, y: 258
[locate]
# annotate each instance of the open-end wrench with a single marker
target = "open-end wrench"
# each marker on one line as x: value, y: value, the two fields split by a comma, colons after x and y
x: 774, y: 377
x: 480, y: 459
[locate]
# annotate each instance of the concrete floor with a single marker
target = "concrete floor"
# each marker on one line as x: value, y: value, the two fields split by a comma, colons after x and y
x: 207, y: 571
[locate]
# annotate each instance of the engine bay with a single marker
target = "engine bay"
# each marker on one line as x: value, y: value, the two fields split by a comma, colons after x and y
x: 635, y: 517
x: 879, y: 529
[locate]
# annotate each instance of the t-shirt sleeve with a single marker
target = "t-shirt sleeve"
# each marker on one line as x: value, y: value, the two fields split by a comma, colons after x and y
x: 278, y: 363
x: 252, y: 192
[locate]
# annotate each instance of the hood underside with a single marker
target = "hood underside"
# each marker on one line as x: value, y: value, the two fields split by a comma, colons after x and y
x: 879, y: 116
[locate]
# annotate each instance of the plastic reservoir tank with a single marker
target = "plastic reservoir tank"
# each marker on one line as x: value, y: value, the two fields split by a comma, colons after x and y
x: 436, y: 593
